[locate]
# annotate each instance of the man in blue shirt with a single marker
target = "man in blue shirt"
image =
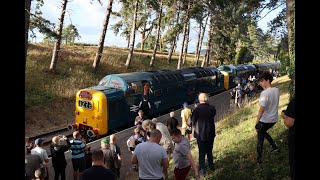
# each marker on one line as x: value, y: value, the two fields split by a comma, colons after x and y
x: 78, y: 148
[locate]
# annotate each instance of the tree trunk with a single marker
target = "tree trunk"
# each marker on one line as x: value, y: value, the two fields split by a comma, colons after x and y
x: 186, y: 44
x: 201, y: 40
x: 204, y: 59
x: 133, y: 34
x: 184, y: 34
x: 27, y: 5
x: 174, y: 41
x: 198, y: 45
x: 289, y: 14
x: 208, y: 51
x: 182, y: 45
x: 143, y: 35
x: 143, y: 38
x: 158, y: 36
x: 59, y: 33
x: 128, y: 42
x: 97, y: 59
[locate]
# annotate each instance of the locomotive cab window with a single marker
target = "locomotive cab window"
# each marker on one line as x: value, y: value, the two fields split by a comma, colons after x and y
x: 134, y: 88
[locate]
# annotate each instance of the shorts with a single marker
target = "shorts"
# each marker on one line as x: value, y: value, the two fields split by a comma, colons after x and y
x: 79, y: 164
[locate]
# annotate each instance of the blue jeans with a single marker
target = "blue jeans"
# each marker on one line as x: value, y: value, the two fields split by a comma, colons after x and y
x: 205, y: 148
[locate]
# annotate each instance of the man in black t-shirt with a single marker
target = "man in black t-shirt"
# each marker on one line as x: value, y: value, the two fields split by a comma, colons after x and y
x: 98, y: 170
x: 172, y: 123
x: 289, y: 120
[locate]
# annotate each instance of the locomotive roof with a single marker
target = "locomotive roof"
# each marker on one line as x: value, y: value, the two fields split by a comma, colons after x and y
x: 160, y: 76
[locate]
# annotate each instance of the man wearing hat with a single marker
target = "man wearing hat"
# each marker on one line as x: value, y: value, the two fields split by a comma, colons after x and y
x: 38, y: 150
x: 185, y: 115
x: 111, y: 160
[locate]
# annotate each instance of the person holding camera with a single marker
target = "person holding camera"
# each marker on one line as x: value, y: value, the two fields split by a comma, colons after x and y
x: 78, y: 148
x: 58, y: 158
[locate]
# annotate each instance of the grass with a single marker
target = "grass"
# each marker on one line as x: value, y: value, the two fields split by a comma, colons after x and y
x: 235, y: 144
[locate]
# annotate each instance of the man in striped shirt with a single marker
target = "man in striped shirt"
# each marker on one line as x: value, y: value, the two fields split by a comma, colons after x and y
x: 78, y: 148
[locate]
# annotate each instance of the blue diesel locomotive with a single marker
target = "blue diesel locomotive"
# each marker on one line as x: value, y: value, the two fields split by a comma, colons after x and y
x: 113, y: 104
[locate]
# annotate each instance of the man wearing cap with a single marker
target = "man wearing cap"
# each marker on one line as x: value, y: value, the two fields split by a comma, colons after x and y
x: 110, y: 157
x: 32, y: 163
x: 38, y: 150
x: 185, y: 115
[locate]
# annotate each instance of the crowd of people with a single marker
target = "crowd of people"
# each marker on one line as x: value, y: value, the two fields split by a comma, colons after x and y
x: 153, y: 144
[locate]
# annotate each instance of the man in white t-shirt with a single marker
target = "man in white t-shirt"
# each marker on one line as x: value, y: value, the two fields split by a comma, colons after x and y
x: 38, y: 150
x: 267, y: 114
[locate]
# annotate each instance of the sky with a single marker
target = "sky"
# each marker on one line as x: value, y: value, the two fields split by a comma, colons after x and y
x: 88, y: 19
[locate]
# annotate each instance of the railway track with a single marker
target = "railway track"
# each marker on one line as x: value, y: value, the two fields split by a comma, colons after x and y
x: 49, y: 135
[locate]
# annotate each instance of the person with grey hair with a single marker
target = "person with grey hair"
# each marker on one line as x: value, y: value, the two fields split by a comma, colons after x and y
x: 172, y: 122
x: 204, y: 131
x: 166, y: 140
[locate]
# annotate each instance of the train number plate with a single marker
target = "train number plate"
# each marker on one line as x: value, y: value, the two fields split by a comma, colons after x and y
x: 85, y: 104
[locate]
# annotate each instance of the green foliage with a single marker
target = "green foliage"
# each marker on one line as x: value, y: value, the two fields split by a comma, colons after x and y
x: 285, y: 62
x: 37, y: 22
x: 150, y: 43
x: 69, y: 34
x: 243, y: 56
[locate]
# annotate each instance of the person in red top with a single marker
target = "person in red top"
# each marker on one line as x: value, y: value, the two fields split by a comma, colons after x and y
x: 146, y: 90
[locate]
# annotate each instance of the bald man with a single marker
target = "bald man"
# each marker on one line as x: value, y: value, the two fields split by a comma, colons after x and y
x: 204, y: 131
